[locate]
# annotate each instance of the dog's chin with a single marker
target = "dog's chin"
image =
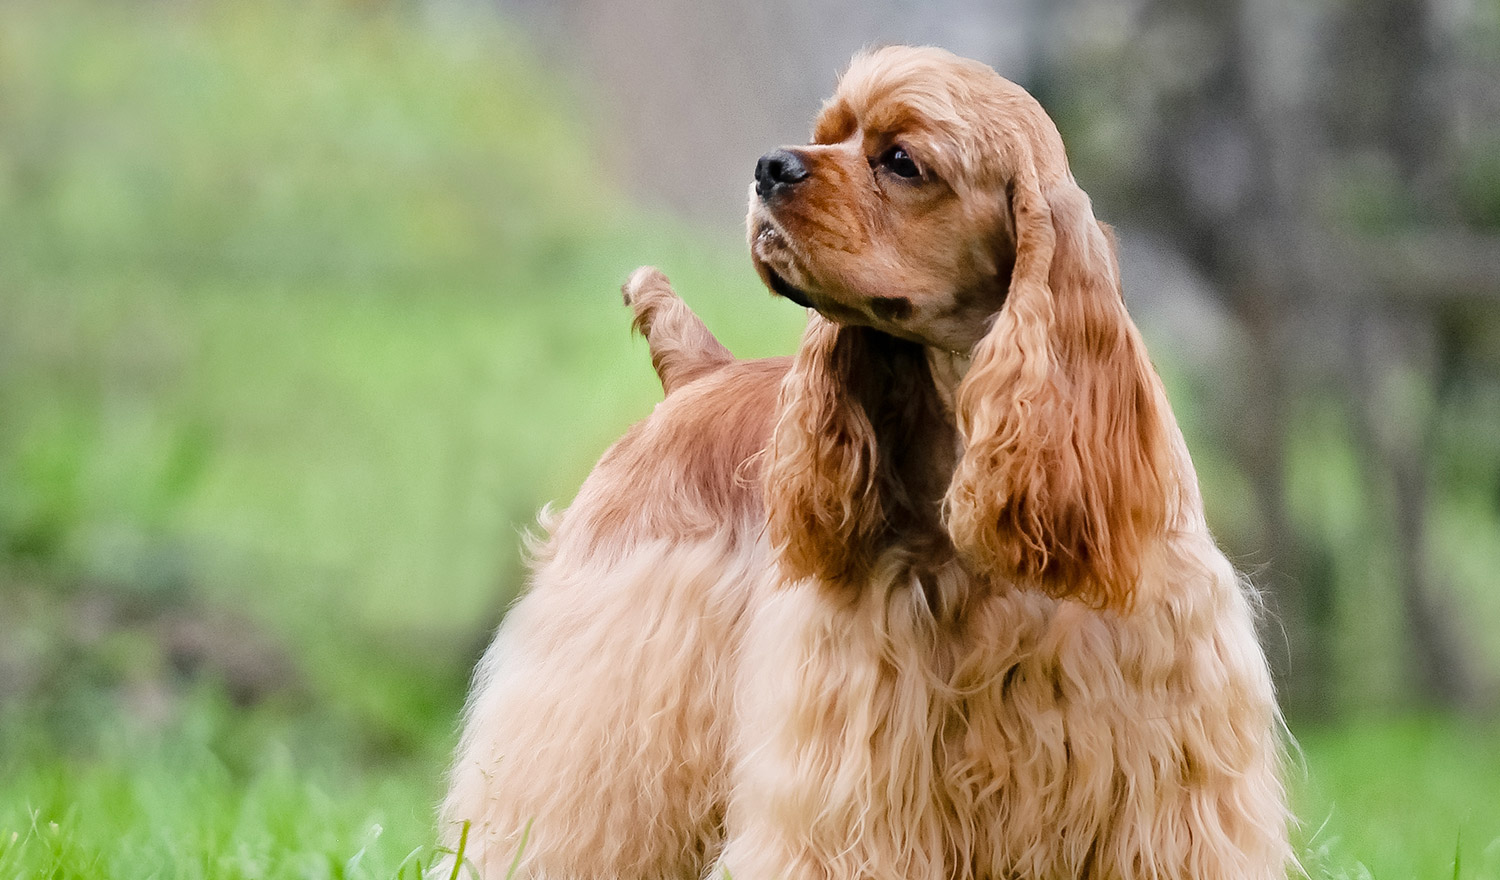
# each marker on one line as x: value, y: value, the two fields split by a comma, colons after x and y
x: 783, y: 288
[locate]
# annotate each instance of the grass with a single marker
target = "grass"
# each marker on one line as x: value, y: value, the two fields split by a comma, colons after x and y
x: 1413, y: 798
x: 209, y: 798
x: 304, y: 310
x: 200, y: 802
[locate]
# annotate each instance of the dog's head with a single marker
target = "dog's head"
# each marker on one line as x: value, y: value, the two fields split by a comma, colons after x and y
x: 900, y: 213
x: 935, y: 205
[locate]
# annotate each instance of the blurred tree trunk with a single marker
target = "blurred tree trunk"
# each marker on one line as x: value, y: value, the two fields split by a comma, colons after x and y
x: 1393, y: 378
x: 1300, y: 601
x: 1389, y: 49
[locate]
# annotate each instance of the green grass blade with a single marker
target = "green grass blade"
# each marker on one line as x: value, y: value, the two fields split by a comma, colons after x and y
x: 458, y: 853
x: 515, y: 863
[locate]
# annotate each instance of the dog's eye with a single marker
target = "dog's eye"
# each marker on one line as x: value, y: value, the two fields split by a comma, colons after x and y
x: 900, y: 162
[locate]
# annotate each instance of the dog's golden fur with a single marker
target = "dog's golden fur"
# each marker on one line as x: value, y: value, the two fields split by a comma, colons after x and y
x: 933, y: 599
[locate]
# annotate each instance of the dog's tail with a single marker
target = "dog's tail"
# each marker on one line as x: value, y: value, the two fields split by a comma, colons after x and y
x: 682, y: 349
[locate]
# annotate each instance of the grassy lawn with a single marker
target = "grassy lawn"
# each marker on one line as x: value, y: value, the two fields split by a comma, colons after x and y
x: 213, y: 799
x: 1399, y: 799
x: 305, y: 309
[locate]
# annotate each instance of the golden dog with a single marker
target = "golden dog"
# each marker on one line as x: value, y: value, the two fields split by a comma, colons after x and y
x: 933, y: 599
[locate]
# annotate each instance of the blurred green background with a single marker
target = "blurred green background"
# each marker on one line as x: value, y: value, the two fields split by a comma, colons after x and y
x: 306, y: 310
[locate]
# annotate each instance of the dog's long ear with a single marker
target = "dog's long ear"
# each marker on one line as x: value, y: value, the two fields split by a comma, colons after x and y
x: 1067, y: 467
x: 834, y: 484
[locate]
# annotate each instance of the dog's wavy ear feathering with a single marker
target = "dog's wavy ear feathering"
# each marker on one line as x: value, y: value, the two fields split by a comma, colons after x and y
x: 824, y: 509
x: 833, y: 488
x: 1068, y: 470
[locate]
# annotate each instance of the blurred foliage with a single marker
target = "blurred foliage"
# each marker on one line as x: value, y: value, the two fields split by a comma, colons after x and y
x: 304, y: 311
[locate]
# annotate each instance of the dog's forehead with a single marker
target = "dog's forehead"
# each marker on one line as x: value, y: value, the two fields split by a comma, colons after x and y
x: 956, y: 107
x: 917, y: 109
x: 903, y: 87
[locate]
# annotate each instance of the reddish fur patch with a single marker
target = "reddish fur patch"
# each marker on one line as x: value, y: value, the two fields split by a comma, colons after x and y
x: 695, y: 461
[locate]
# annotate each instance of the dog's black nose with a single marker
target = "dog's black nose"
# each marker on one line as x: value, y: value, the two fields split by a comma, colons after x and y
x: 776, y: 171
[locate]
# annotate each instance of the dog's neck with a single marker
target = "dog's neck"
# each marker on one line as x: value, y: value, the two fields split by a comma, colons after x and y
x: 948, y: 370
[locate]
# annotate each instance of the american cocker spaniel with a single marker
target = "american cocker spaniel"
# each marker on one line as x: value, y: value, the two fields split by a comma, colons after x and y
x: 934, y: 598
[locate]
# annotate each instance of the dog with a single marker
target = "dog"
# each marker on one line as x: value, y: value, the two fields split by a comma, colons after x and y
x: 933, y: 598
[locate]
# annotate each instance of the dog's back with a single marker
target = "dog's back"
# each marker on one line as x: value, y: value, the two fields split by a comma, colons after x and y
x: 618, y: 655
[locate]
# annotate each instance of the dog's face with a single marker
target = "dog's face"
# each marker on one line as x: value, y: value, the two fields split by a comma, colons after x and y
x: 897, y: 215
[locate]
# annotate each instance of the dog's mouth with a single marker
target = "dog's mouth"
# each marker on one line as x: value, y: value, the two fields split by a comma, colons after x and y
x: 782, y: 287
x: 767, y: 244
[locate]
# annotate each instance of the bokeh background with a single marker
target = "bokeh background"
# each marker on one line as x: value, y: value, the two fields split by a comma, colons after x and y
x: 307, y: 308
